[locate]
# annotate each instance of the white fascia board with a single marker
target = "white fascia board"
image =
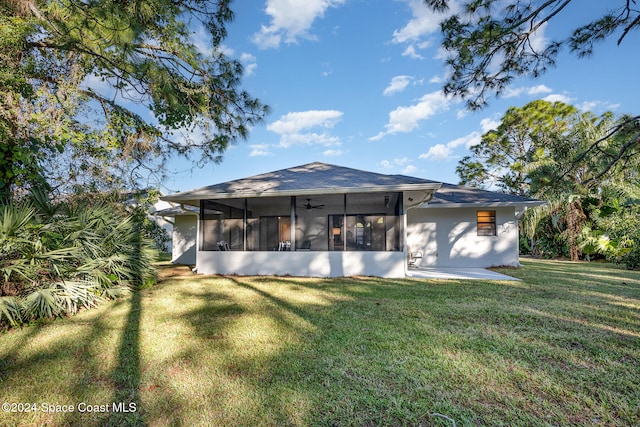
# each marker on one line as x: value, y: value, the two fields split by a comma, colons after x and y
x: 193, y: 197
x: 530, y: 204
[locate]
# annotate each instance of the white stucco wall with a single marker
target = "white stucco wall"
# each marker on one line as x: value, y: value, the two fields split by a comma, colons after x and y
x: 448, y: 237
x: 162, y: 222
x: 303, y: 263
x: 185, y: 236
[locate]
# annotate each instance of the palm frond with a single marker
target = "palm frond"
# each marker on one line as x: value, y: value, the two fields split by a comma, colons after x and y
x: 115, y: 292
x: 14, y: 219
x: 73, y: 295
x: 42, y: 303
x: 10, y: 310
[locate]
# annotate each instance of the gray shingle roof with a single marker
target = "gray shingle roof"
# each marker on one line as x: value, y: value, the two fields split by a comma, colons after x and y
x: 312, y: 178
x: 322, y: 178
x: 455, y: 195
x: 177, y: 210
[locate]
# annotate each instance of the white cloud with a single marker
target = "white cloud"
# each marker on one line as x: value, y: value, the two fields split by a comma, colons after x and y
x: 467, y: 141
x: 538, y: 41
x: 597, y: 106
x: 201, y: 39
x: 291, y: 21
x: 538, y: 90
x: 437, y: 79
x: 409, y: 169
x: 288, y: 140
x: 410, y: 51
x: 462, y: 113
x: 490, y: 123
x: 267, y: 38
x: 403, y: 165
x: 424, y: 22
x: 249, y: 63
x: 333, y: 153
x: 100, y: 85
x: 445, y: 151
x: 556, y: 97
x: 298, y: 121
x: 327, y: 72
x: 295, y: 128
x: 588, y: 105
x: 531, y: 91
x: 390, y: 164
x: 406, y: 119
x: 398, y: 84
x: 226, y: 50
x: 260, y: 150
x: 437, y: 152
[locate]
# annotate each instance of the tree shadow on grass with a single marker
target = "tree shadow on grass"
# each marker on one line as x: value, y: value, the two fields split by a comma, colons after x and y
x: 473, y: 332
x: 359, y: 351
x: 127, y: 407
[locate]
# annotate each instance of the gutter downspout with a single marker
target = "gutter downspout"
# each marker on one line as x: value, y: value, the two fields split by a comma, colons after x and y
x: 426, y: 199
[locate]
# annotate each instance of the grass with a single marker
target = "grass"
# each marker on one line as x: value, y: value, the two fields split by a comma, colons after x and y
x: 560, y: 347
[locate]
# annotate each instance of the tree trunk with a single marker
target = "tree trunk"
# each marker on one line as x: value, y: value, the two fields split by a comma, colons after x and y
x: 574, y: 223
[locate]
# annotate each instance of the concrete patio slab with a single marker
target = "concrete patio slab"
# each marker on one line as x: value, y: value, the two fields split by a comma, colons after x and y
x: 456, y: 273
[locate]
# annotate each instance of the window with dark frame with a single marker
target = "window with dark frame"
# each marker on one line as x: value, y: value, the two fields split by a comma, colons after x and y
x: 486, y: 223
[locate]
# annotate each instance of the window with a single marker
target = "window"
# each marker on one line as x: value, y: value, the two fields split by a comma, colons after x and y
x: 486, y: 223
x: 360, y: 233
x: 366, y: 233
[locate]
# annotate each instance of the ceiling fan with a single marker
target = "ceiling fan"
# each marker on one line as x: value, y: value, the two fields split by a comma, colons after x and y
x: 310, y: 206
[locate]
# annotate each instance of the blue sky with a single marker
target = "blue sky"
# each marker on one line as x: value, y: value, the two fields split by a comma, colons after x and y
x: 357, y: 83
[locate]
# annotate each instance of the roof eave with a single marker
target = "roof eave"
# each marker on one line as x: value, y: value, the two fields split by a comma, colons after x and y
x: 530, y: 204
x: 195, y: 196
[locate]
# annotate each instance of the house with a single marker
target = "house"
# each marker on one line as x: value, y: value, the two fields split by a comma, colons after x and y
x: 325, y: 220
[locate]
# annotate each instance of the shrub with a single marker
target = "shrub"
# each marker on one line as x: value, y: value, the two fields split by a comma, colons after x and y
x: 55, y: 260
x: 622, y: 229
x: 10, y: 311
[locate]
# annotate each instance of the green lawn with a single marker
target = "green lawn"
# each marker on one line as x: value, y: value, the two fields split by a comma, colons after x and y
x: 560, y: 347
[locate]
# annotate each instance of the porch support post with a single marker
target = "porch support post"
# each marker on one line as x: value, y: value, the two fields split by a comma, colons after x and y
x: 344, y: 223
x: 401, y: 221
x: 405, y: 248
x: 292, y: 231
x: 245, y: 220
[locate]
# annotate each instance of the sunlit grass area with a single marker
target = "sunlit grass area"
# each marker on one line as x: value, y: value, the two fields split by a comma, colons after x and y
x: 559, y: 347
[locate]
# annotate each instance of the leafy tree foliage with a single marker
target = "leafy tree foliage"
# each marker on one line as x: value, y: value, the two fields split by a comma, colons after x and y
x: 101, y: 92
x: 491, y: 42
x: 503, y: 155
x: 545, y: 150
x: 617, y: 236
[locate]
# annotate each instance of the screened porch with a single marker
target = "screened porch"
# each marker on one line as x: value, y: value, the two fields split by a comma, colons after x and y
x: 337, y: 222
